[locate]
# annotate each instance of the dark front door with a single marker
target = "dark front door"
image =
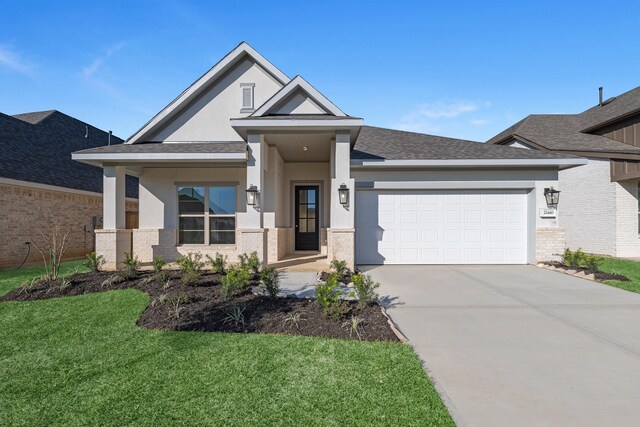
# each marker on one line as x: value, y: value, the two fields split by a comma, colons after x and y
x: 307, y: 226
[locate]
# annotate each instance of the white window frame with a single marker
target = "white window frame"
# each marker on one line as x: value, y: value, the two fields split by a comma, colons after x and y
x: 247, y: 108
x: 206, y: 215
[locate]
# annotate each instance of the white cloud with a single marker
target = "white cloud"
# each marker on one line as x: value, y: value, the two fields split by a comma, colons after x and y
x: 95, y: 65
x: 11, y: 60
x: 439, y: 116
x: 479, y: 122
x: 442, y: 109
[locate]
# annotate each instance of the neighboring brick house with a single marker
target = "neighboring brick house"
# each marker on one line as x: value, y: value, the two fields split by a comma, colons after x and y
x: 598, y: 206
x: 38, y: 179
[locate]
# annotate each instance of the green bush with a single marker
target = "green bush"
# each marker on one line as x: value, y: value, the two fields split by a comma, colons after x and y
x: 328, y: 295
x: 235, y: 281
x: 592, y: 263
x: 191, y: 278
x: 163, y: 276
x: 192, y: 262
x: 94, y: 261
x: 270, y: 281
x: 158, y: 263
x: 250, y: 262
x: 364, y: 288
x: 573, y: 258
x: 339, y: 267
x: 218, y: 264
x: 130, y: 270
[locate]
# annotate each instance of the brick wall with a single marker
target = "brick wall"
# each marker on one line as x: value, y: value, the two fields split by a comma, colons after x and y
x: 24, y: 213
x: 550, y: 243
x: 627, y: 239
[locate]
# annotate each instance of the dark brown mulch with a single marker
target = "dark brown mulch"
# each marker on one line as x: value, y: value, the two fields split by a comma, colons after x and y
x: 599, y: 275
x: 345, y: 279
x: 202, y: 308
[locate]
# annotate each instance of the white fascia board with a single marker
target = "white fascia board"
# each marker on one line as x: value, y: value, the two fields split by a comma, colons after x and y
x: 356, y: 163
x: 159, y: 157
x: 295, y: 83
x: 275, y: 123
x: 194, y: 90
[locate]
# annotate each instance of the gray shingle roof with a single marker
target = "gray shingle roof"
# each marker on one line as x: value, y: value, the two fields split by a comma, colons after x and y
x: 561, y: 132
x: 36, y: 147
x: 388, y: 144
x: 568, y: 132
x: 159, y: 147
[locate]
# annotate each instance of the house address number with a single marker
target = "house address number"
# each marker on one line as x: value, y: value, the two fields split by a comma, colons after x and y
x: 547, y: 213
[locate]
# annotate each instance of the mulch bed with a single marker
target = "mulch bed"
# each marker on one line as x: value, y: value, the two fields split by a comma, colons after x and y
x: 202, y: 308
x: 599, y: 275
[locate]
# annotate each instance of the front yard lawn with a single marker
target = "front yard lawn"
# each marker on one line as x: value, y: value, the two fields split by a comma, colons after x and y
x: 630, y: 269
x: 82, y: 360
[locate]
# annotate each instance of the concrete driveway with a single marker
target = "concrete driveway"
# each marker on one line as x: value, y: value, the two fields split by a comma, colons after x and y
x: 519, y: 345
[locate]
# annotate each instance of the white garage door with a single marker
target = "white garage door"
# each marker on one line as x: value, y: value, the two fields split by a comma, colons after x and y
x: 441, y: 227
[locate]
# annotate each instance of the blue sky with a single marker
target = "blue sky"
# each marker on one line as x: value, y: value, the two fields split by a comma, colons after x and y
x: 453, y: 68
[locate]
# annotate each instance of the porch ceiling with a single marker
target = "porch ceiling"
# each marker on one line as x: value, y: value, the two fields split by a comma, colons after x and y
x: 292, y: 146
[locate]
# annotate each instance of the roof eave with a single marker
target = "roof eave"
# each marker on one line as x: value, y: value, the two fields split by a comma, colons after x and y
x: 467, y: 163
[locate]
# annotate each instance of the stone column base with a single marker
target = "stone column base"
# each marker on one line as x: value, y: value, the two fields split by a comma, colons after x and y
x: 254, y: 240
x: 550, y: 244
x: 112, y: 244
x: 341, y: 245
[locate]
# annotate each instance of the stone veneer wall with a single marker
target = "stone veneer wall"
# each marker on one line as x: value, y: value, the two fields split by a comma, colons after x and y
x: 550, y: 243
x: 25, y: 212
x: 341, y: 245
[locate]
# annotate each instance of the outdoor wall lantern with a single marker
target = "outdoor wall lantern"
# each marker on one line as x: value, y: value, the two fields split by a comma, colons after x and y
x: 552, y: 195
x: 252, y: 195
x: 343, y: 193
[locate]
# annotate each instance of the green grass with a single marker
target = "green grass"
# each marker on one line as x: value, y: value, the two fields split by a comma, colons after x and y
x: 82, y: 360
x: 10, y: 279
x: 630, y: 269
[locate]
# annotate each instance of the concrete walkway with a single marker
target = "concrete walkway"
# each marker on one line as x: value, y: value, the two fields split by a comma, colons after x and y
x: 519, y: 345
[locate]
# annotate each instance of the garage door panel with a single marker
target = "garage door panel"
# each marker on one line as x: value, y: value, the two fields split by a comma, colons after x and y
x: 441, y: 227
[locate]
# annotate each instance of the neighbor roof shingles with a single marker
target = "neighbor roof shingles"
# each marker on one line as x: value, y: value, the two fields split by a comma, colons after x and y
x: 375, y: 143
x: 36, y: 147
x: 159, y: 147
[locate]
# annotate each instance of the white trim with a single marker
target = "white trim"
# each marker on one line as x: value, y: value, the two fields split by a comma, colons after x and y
x: 159, y: 157
x: 258, y: 123
x: 247, y: 108
x: 38, y: 186
x: 444, y: 185
x: 199, y: 86
x: 357, y: 163
x: 295, y: 83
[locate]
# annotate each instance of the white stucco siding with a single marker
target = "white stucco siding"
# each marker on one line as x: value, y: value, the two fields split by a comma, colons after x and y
x: 519, y: 144
x: 207, y: 118
x: 158, y: 204
x: 587, y: 208
x: 298, y: 103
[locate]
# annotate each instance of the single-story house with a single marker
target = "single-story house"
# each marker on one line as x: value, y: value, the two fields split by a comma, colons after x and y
x: 39, y: 183
x: 247, y: 159
x: 599, y: 204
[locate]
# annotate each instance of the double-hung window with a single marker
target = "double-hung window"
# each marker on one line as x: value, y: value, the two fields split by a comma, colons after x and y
x: 207, y: 215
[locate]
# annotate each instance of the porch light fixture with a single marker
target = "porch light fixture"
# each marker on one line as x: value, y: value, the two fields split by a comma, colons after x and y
x: 252, y: 195
x: 343, y: 194
x: 552, y: 195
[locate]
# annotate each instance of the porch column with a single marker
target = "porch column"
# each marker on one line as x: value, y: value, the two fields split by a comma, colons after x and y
x: 252, y: 232
x: 342, y: 234
x: 113, y: 240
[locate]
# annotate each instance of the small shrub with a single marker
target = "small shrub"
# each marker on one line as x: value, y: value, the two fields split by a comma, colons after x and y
x: 218, y: 264
x: 158, y: 263
x: 167, y: 284
x: 28, y: 286
x: 294, y: 319
x: 147, y: 280
x: 355, y: 325
x: 328, y: 295
x: 163, y: 276
x: 236, y: 280
x: 64, y: 283
x: 567, y: 257
x: 175, y: 303
x: 161, y: 300
x: 270, y: 281
x: 364, y: 288
x: 192, y: 262
x: 250, y: 262
x: 94, y: 261
x: 130, y: 270
x: 112, y: 280
x: 235, y: 316
x: 592, y: 263
x: 339, y: 267
x: 190, y: 278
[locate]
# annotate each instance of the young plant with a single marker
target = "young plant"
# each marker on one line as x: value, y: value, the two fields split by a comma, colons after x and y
x: 592, y: 263
x: 130, y: 270
x: 112, y: 280
x: 175, y: 303
x: 294, y: 319
x: 161, y: 300
x: 192, y: 262
x: 355, y: 325
x: 158, y: 263
x: 64, y: 283
x: 236, y: 280
x: 270, y: 281
x: 94, y: 261
x: 218, y: 264
x: 328, y: 295
x: 339, y: 267
x: 163, y: 276
x: 250, y: 262
x: 364, y: 288
x: 235, y: 316
x: 28, y: 286
x: 191, y: 278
